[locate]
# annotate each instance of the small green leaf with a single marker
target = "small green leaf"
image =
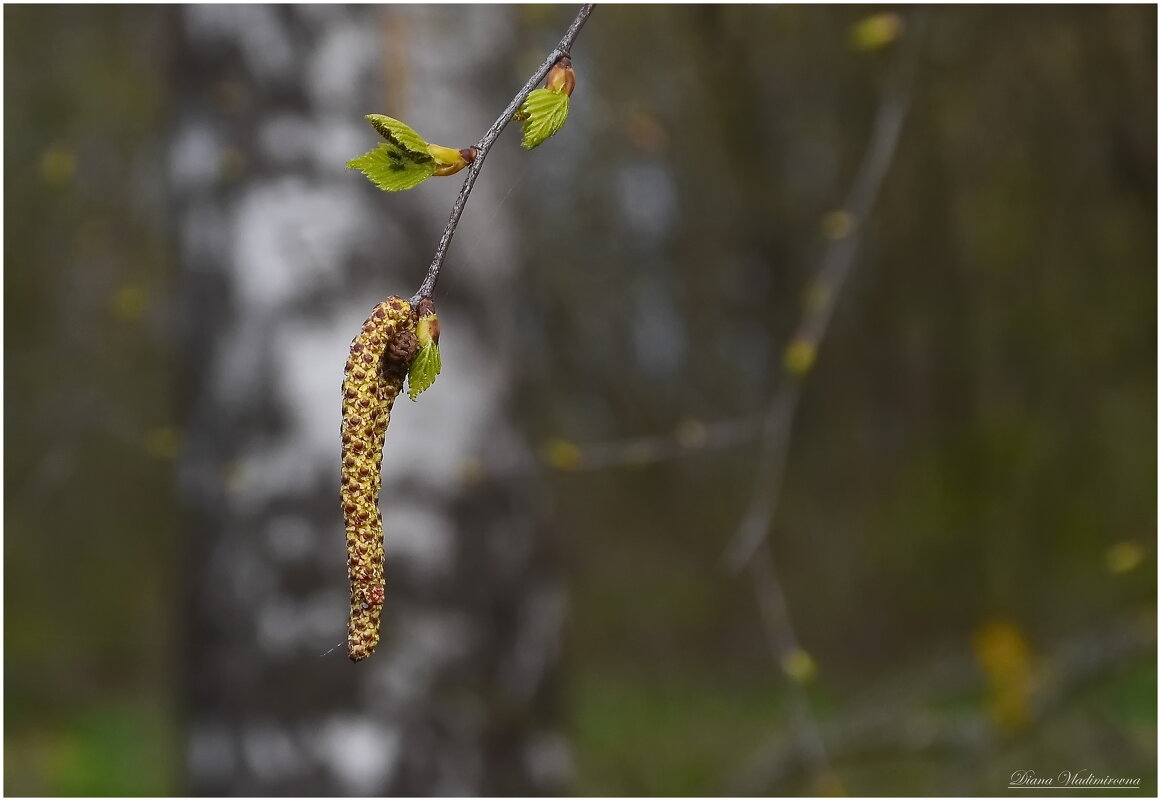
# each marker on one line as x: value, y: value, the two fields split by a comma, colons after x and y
x: 424, y: 368
x: 401, y: 135
x: 543, y: 114
x: 389, y: 168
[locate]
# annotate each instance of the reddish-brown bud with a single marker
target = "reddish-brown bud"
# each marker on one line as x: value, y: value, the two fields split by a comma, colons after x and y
x: 561, y: 78
x: 402, y: 347
x: 428, y: 321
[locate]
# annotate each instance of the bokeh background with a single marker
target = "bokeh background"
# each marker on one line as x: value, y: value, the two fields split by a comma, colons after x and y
x: 961, y: 577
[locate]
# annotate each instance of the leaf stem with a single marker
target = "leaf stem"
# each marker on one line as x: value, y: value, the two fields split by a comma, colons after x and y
x: 564, y: 48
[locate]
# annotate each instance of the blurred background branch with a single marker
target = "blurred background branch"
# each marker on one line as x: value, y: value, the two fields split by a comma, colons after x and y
x: 844, y: 229
x: 908, y: 720
x: 750, y: 542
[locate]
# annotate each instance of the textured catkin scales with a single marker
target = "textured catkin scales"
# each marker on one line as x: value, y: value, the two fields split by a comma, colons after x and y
x: 373, y: 377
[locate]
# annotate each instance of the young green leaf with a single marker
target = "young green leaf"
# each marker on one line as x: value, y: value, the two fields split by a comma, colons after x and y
x: 390, y: 169
x: 399, y: 134
x: 543, y: 114
x: 424, y: 368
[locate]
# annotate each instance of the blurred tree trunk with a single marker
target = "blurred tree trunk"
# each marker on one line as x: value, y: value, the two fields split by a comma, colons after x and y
x: 284, y: 253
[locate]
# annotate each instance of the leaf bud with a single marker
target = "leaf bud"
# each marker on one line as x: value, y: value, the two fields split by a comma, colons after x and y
x: 561, y: 78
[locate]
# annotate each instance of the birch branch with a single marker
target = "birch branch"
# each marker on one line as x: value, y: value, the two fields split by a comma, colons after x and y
x: 562, y: 49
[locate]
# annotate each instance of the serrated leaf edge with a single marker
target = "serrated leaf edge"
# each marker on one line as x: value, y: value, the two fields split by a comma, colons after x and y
x: 402, y: 135
x: 426, y: 365
x: 421, y: 170
x: 543, y: 120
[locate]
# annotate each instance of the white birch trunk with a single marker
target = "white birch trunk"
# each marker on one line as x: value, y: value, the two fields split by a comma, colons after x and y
x: 284, y: 253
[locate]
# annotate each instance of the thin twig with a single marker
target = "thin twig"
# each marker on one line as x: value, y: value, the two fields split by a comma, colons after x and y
x: 822, y: 294
x: 484, y: 145
x: 751, y: 542
x: 691, y: 436
x: 784, y: 647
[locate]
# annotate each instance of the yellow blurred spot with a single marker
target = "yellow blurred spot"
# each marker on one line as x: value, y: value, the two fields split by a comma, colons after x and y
x: 561, y: 454
x: 471, y: 471
x: 1123, y: 557
x: 1000, y: 648
x: 837, y: 224
x: 57, y: 165
x: 691, y: 434
x: 876, y: 31
x: 1006, y: 659
x: 129, y: 302
x: 799, y: 666
x: 163, y: 442
x: 799, y: 356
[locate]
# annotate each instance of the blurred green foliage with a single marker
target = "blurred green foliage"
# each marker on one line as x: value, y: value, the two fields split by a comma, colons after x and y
x: 673, y: 733
x: 89, y: 516
x: 977, y: 435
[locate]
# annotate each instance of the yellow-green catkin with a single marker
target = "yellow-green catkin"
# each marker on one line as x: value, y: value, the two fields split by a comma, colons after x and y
x: 373, y: 377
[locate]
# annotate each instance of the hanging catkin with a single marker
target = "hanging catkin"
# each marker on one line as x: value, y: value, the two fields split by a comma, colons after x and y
x: 373, y: 378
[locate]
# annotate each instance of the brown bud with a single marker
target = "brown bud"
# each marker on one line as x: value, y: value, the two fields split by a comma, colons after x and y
x: 402, y: 347
x: 561, y: 78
